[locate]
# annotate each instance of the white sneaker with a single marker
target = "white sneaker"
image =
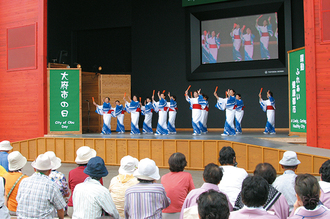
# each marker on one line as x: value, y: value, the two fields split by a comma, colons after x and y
x: 194, y: 133
x: 273, y: 133
x: 157, y: 134
x: 223, y: 134
x: 266, y: 133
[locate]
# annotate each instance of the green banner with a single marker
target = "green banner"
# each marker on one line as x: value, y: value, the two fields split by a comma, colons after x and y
x: 64, y: 100
x: 297, y: 91
x: 186, y: 3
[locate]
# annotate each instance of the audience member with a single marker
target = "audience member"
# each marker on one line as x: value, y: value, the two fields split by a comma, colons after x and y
x: 308, y: 203
x: 13, y: 179
x: 254, y: 196
x: 177, y: 185
x: 325, y: 183
x: 90, y: 198
x: 285, y: 182
x: 146, y: 199
x: 233, y: 176
x: 4, y: 213
x: 38, y: 196
x: 213, y: 205
x: 5, y: 147
x: 212, y: 176
x: 120, y: 183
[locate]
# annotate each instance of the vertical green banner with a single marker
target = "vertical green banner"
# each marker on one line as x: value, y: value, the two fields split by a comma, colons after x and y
x: 297, y: 90
x: 64, y: 100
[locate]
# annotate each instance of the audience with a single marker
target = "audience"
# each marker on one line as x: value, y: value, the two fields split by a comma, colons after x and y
x: 233, y: 176
x: 325, y: 183
x: 177, y: 185
x: 4, y: 213
x: 13, y: 179
x: 90, y: 198
x: 38, y: 196
x: 308, y: 203
x: 285, y: 182
x: 254, y: 195
x: 146, y: 199
x: 120, y: 183
x: 5, y: 147
x: 213, y: 205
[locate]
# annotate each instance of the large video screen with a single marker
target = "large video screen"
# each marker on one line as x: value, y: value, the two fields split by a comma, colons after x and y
x: 239, y: 39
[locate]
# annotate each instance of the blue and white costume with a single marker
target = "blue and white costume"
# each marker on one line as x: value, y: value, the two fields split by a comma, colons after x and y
x: 134, y: 109
x: 196, y: 113
x: 161, y: 107
x: 204, y: 115
x: 248, y: 46
x: 213, y: 44
x: 205, y: 50
x: 147, y: 123
x: 239, y: 113
x: 172, y: 116
x: 269, y: 107
x: 119, y: 113
x: 228, y: 104
x: 264, y: 32
x: 236, y: 37
x: 105, y: 111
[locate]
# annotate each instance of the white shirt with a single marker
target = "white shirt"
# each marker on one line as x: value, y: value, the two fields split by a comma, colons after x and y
x: 231, y: 183
x: 89, y: 198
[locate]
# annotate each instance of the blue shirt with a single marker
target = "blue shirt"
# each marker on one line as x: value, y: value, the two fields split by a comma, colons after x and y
x: 4, y: 160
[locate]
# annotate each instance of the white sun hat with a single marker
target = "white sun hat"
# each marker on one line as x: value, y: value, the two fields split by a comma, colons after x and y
x: 54, y: 159
x: 84, y: 154
x: 42, y: 162
x: 16, y: 161
x: 128, y: 165
x: 147, y: 170
x: 289, y: 159
x: 5, y: 146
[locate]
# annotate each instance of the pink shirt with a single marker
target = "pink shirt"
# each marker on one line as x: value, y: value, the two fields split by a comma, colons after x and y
x: 318, y: 213
x: 281, y: 208
x: 177, y: 186
x: 251, y: 213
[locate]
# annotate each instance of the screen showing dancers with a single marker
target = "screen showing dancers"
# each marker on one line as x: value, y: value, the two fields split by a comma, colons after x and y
x: 238, y: 39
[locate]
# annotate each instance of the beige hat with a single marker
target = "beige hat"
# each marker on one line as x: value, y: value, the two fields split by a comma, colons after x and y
x: 128, y: 165
x: 289, y: 159
x: 147, y: 170
x: 16, y: 161
x: 42, y: 162
x: 84, y: 154
x: 54, y: 159
x: 5, y: 146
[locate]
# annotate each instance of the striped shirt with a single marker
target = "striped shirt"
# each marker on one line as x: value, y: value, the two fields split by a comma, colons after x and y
x: 145, y: 200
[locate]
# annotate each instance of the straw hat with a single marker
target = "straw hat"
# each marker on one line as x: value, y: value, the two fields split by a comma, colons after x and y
x: 289, y: 159
x: 96, y: 168
x: 5, y: 146
x: 84, y: 154
x: 16, y: 161
x: 128, y: 165
x: 42, y: 162
x: 147, y: 170
x: 54, y: 159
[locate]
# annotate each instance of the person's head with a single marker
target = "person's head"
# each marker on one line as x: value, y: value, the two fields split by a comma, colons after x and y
x: 96, y: 168
x: 128, y: 165
x: 307, y: 191
x: 289, y: 161
x: 56, y: 161
x: 43, y: 164
x: 84, y: 154
x: 238, y: 96
x: 213, y: 33
x: 325, y: 171
x: 254, y: 191
x: 212, y: 174
x: 16, y: 161
x: 205, y: 97
x: 205, y: 32
x: 227, y: 156
x: 248, y: 30
x: 266, y: 171
x: 237, y: 26
x: 107, y: 99
x: 173, y: 97
x: 147, y: 171
x: 5, y: 146
x: 148, y: 99
x: 269, y: 94
x: 213, y: 205
x: 177, y: 162
x: 265, y: 22
x: 134, y: 98
x: 117, y: 102
x: 195, y: 93
x: 231, y: 92
x: 162, y: 95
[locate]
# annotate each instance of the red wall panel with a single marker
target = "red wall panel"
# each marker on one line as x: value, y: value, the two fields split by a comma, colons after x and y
x: 23, y: 92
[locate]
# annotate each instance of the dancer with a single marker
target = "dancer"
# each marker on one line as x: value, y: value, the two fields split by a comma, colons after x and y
x: 118, y: 112
x: 205, y: 49
x: 195, y: 110
x: 172, y: 114
x: 133, y: 107
x: 105, y: 111
x: 239, y: 113
x: 161, y: 107
x: 236, y: 37
x: 248, y: 44
x: 147, y: 110
x: 269, y: 107
x: 264, y: 32
x: 205, y: 113
x: 227, y: 104
x: 213, y: 43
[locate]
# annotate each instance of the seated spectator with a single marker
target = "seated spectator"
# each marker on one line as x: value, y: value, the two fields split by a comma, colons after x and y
x: 90, y: 198
x: 254, y: 196
x: 276, y: 202
x: 212, y: 176
x: 233, y: 176
x: 213, y: 205
x: 4, y: 213
x: 38, y: 196
x: 123, y: 181
x: 5, y: 147
x: 285, y: 182
x: 308, y: 203
x: 13, y: 179
x: 77, y: 175
x: 325, y: 183
x: 138, y: 198
x: 177, y: 185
